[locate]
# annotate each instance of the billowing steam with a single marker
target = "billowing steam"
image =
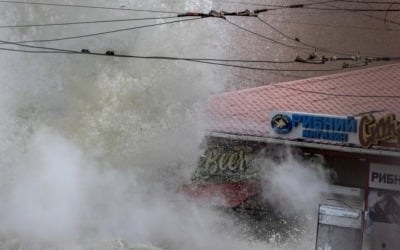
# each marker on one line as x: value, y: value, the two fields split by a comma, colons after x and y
x: 294, y: 186
x: 65, y: 199
x: 93, y: 149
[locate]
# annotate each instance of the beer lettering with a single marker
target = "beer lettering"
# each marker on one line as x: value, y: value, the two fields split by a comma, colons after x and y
x: 211, y: 164
x: 217, y: 160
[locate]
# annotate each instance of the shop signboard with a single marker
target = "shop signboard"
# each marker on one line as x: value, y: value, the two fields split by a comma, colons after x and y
x: 384, y: 176
x: 225, y: 162
x: 384, y: 130
x: 314, y: 127
x: 365, y: 131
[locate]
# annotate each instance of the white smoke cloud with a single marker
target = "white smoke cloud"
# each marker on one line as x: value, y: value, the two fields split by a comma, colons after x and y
x: 44, y: 199
x: 91, y: 147
x: 65, y: 199
x: 294, y: 186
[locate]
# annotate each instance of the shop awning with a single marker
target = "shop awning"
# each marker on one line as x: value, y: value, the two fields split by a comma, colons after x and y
x: 222, y: 194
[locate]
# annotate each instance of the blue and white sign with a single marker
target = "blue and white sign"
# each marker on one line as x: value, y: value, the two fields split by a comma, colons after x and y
x: 319, y: 127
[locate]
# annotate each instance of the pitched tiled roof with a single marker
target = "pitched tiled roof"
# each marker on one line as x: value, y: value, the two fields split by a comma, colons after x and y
x: 246, y: 112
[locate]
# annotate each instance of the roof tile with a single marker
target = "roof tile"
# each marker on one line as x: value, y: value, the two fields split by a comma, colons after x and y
x: 347, y: 94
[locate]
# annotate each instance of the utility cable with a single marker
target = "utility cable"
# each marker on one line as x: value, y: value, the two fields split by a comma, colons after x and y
x: 139, y: 10
x: 34, y: 51
x: 308, y: 13
x: 56, y: 50
x: 335, y: 95
x: 270, y: 69
x: 65, y: 51
x: 87, y: 7
x: 197, y: 15
x: 223, y: 14
x: 278, y: 85
x: 85, y: 22
x: 385, y: 19
x: 353, y: 9
x: 368, y: 2
x: 281, y: 6
x: 367, y: 15
x: 317, y: 59
x: 333, y: 26
x: 104, y: 32
x: 269, y: 38
x: 296, y: 77
x: 333, y: 51
x: 279, y: 31
x: 303, y: 43
x: 211, y: 14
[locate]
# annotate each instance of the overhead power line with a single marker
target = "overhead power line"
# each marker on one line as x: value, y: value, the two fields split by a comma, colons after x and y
x: 355, y: 27
x: 269, y: 38
x: 307, y: 49
x: 197, y: 15
x: 368, y: 2
x: 104, y: 32
x: 87, y: 52
x: 85, y: 22
x: 353, y: 9
x: 143, y: 10
x: 275, y: 7
x: 280, y: 6
x: 385, y: 20
x: 318, y: 59
x: 334, y: 95
x: 171, y: 17
x: 278, y: 85
x: 33, y: 51
x: 49, y: 50
x: 334, y: 51
x: 88, y: 7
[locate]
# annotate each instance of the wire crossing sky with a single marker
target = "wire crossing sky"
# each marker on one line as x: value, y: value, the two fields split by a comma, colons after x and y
x: 296, y: 44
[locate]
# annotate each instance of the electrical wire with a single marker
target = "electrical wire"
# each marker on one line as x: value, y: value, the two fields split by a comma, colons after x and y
x: 308, y: 46
x: 204, y: 61
x: 34, y: 51
x: 88, y: 7
x: 277, y: 30
x: 329, y: 50
x: 333, y: 26
x: 104, y: 32
x: 353, y: 9
x: 308, y: 13
x: 55, y: 50
x: 386, y: 14
x: 278, y: 85
x: 368, y: 2
x: 335, y: 95
x: 296, y: 77
x: 137, y: 27
x: 269, y: 38
x: 363, y: 14
x: 147, y: 10
x: 367, y: 15
x: 85, y: 22
x: 334, y: 51
x: 279, y: 6
x: 270, y: 69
